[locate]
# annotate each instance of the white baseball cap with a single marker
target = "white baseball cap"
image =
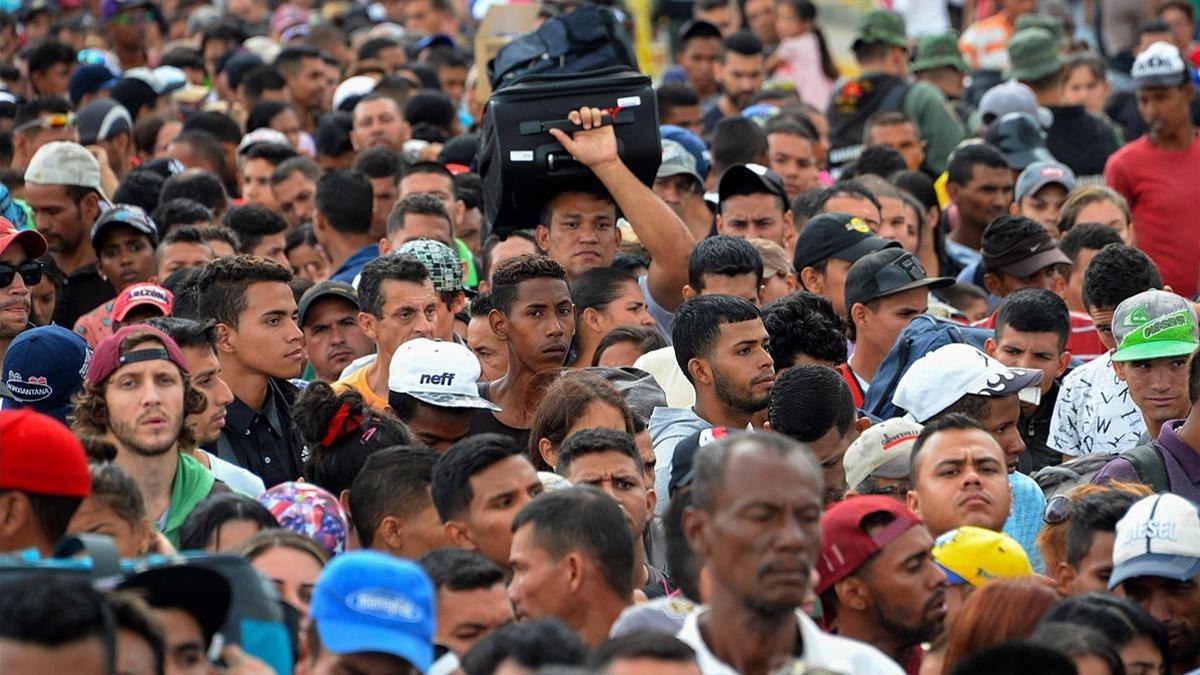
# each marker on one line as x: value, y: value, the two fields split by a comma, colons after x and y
x: 65, y: 163
x: 442, y: 374
x: 1159, y: 65
x: 937, y: 380
x: 1158, y: 537
x: 357, y: 86
x: 883, y: 450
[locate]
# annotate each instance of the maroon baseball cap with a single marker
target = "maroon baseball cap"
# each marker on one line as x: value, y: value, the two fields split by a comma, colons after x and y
x: 40, y: 455
x: 845, y: 545
x: 107, y: 357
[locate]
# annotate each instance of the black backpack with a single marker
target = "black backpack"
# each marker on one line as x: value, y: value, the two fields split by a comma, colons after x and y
x: 590, y: 38
x: 852, y: 105
x: 1061, y: 479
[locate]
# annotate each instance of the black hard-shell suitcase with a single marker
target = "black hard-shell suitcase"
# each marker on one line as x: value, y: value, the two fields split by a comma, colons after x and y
x: 522, y: 165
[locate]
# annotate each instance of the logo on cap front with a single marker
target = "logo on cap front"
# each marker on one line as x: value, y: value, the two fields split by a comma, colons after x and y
x: 148, y: 293
x: 442, y: 380
x: 857, y: 224
x: 385, y: 604
x: 28, y: 389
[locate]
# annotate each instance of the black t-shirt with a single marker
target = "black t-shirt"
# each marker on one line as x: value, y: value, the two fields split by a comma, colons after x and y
x: 83, y: 291
x: 484, y: 422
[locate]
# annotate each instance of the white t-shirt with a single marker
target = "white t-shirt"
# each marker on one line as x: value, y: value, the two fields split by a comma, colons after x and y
x: 1094, y: 412
x: 821, y: 650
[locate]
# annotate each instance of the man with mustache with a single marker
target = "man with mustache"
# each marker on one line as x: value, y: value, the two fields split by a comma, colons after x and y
x: 740, y: 71
x: 756, y: 520
x: 19, y: 273
x: 136, y: 396
x: 879, y: 582
x: 328, y: 315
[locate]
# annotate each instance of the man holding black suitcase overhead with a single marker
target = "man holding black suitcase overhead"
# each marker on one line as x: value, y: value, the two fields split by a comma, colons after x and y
x: 579, y: 226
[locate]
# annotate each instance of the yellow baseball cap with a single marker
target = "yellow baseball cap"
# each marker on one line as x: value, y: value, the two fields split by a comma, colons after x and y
x: 975, y: 555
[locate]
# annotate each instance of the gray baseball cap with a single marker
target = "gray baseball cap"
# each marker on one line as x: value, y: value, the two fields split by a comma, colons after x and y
x: 677, y: 161
x: 1008, y: 97
x: 1042, y: 173
x: 1154, y: 325
x: 445, y: 268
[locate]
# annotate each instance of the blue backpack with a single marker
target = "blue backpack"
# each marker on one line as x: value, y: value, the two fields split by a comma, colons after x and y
x: 925, y: 334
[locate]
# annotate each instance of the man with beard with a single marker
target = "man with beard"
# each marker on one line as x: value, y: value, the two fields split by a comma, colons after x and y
x: 19, y: 273
x: 756, y: 521
x: 740, y: 71
x: 721, y: 347
x: 879, y: 583
x: 136, y: 396
x: 378, y: 122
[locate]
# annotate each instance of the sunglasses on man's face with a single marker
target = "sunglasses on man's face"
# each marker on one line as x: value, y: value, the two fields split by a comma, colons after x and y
x: 30, y: 271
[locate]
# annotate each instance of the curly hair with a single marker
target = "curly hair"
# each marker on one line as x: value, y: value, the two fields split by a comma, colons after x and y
x: 510, y: 273
x: 342, y: 431
x: 90, y: 417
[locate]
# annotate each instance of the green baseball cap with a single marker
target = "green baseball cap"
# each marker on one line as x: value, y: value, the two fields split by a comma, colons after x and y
x: 881, y: 25
x: 1050, y: 24
x: 939, y: 51
x: 1154, y: 325
x: 1032, y: 55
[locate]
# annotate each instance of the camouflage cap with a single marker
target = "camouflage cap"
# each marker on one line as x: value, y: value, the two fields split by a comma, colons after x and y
x: 445, y: 268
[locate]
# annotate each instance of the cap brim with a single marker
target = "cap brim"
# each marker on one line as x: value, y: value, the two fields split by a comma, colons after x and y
x: 1038, y: 261
x: 201, y: 592
x: 1154, y: 350
x: 865, y: 246
x: 1177, y: 567
x: 1022, y: 378
x: 666, y: 171
x: 444, y: 400
x: 34, y: 243
x: 346, y: 637
x: 931, y: 283
x: 1152, y: 81
x: 939, y: 62
x: 952, y: 579
x: 1023, y: 158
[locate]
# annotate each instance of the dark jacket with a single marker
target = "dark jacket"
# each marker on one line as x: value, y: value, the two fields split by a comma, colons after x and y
x: 1035, y: 431
x: 241, y: 442
x: 1081, y: 140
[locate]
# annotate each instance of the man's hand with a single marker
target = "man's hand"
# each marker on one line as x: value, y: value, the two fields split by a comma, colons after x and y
x: 594, y: 145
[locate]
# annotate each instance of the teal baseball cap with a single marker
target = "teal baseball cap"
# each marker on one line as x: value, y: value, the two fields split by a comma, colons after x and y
x: 1154, y: 325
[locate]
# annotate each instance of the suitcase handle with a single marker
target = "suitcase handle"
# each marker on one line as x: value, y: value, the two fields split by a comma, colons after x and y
x: 533, y: 128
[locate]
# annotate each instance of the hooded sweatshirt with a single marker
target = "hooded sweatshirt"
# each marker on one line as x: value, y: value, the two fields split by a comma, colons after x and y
x: 669, y: 426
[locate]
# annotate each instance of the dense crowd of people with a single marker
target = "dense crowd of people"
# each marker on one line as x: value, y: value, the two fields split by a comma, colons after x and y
x: 889, y: 369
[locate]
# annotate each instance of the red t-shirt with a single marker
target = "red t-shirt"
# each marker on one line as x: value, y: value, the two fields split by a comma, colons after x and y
x: 1163, y: 189
x: 1083, y: 342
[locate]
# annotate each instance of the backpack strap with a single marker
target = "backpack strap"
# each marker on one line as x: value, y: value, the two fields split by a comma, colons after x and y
x: 1149, y: 466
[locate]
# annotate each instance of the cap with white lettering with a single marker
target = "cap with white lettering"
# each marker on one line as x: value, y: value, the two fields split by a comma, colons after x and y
x: 442, y: 374
x: 1158, y: 537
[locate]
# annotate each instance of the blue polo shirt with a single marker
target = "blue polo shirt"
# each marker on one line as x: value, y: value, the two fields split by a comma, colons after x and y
x: 354, y: 264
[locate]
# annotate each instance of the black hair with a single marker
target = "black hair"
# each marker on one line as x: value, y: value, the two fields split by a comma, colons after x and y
x: 225, y: 30
x: 1117, y: 273
x: 374, y: 46
x: 431, y: 107
x: 1120, y: 619
x: 1035, y: 310
x: 876, y: 160
x: 725, y: 256
x: 345, y: 198
x: 140, y: 188
x: 301, y: 235
x: 675, y: 95
x: 46, y: 54
x: 332, y: 135
x: 446, y: 57
x: 963, y: 161
x: 947, y: 422
x: 531, y: 644
x: 1194, y: 380
x: 260, y: 79
x: 205, y: 145
x: 288, y: 61
x: 1092, y: 513
x: 804, y: 323
x: 303, y: 164
x: 710, y: 462
x: 458, y: 569
x: 683, y: 563
x: 806, y: 205
x: 597, y: 288
x: 274, y: 153
x: 594, y: 441
x: 634, y: 262
x: 398, y: 267
x: 118, y: 491
x: 511, y: 273
x: 1093, y: 236
x: 584, y: 519
x: 1015, y: 658
x: 187, y: 333
x: 31, y: 110
x: 653, y: 646
x: 52, y: 512
x: 131, y: 613
x: 809, y: 400
x: 418, y: 205
x: 919, y: 185
x: 379, y: 162
x: 252, y: 223
x: 960, y: 294
x: 199, y: 185
x: 340, y: 442
x: 184, y: 284
x: 178, y: 212
x: 1153, y: 26
x: 489, y: 244
x: 226, y: 280
x: 430, y: 167
x: 223, y: 127
x: 393, y: 482
x: 204, y: 523
x: 1078, y: 641
x: 848, y: 188
x: 736, y: 140
x: 451, y: 486
x: 55, y: 610
x: 698, y: 324
x: 742, y: 42
x: 647, y: 339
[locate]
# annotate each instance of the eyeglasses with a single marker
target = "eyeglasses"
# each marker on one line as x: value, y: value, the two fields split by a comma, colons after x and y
x: 1058, y: 510
x: 30, y: 271
x: 55, y: 121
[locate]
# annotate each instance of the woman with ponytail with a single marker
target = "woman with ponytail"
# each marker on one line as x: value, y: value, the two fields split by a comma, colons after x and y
x: 803, y: 55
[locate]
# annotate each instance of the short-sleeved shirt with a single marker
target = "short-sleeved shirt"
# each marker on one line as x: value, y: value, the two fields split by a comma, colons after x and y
x: 357, y: 381
x: 1094, y: 412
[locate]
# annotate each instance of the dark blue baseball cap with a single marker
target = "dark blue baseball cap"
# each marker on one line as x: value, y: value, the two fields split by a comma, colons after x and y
x: 692, y: 142
x: 44, y: 368
x: 90, y: 78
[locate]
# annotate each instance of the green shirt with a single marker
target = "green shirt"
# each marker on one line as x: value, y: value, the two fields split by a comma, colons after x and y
x: 939, y: 125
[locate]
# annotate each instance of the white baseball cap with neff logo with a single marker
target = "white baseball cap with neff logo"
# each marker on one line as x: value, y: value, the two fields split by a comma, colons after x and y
x: 441, y: 374
x: 1158, y: 537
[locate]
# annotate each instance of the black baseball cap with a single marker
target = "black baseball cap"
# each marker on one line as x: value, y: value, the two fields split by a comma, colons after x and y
x: 749, y: 179
x: 697, y: 28
x: 1020, y: 247
x: 325, y: 289
x: 885, y: 273
x: 836, y: 235
x: 203, y: 593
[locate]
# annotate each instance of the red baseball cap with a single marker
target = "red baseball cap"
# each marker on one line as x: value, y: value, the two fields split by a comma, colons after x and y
x: 845, y: 546
x: 33, y: 242
x: 107, y: 357
x: 40, y: 455
x: 139, y: 295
